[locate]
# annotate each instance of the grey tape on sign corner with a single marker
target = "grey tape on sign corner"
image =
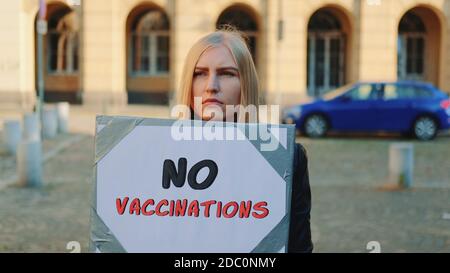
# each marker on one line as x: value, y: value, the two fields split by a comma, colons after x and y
x: 94, y: 190
x: 102, y: 120
x: 112, y: 134
x: 277, y: 158
x: 276, y: 239
x: 102, y: 238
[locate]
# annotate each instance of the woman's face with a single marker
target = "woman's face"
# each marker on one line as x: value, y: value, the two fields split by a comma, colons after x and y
x: 216, y: 84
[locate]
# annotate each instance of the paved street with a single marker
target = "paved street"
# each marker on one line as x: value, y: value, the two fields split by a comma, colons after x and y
x: 46, y: 220
x: 350, y: 206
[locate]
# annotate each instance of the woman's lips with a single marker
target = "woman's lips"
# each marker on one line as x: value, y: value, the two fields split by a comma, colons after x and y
x: 212, y: 101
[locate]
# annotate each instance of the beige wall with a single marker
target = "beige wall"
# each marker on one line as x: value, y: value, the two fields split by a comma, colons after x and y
x: 371, y: 53
x: 16, y: 71
x: 104, y: 49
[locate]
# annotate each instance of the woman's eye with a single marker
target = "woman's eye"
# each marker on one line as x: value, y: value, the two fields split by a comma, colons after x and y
x: 228, y: 74
x: 199, y: 73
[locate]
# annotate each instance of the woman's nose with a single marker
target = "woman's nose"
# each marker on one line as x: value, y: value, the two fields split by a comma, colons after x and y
x: 213, y: 84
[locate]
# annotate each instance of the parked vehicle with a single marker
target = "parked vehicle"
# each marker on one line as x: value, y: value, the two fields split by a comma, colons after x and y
x: 406, y: 107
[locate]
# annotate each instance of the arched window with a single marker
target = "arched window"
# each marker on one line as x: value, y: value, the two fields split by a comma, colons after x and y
x: 150, y: 44
x: 62, y: 43
x: 323, y: 20
x: 411, y: 47
x: 326, y: 53
x: 244, y: 22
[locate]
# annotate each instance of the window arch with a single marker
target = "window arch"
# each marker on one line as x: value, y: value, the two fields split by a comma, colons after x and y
x: 60, y: 54
x: 243, y: 21
x: 324, y: 20
x: 62, y: 42
x: 412, y: 43
x: 411, y: 23
x: 327, y: 50
x: 150, y: 44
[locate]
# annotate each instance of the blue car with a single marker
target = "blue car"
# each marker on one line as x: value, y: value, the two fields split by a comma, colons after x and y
x: 406, y: 107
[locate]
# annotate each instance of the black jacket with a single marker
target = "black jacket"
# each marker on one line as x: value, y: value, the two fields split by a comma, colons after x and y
x: 300, y: 228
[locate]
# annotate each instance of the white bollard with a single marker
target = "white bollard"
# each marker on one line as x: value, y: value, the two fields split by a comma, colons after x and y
x: 29, y: 164
x: 31, y: 128
x: 62, y: 109
x: 401, y: 164
x: 13, y: 135
x: 49, y: 122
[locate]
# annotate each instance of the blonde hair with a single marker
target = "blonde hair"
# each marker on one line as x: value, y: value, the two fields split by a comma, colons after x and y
x: 236, y: 43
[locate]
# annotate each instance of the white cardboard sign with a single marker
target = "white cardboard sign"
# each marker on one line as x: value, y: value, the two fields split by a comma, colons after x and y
x: 157, y: 194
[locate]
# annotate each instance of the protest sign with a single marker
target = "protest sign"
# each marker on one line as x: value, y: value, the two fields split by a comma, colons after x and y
x: 159, y: 188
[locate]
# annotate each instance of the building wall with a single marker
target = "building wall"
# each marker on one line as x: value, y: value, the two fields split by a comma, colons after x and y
x: 371, y: 53
x: 104, y: 52
x: 16, y: 71
x: 379, y: 30
x: 288, y: 76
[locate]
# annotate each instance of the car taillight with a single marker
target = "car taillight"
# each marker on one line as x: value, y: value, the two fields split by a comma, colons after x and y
x: 445, y: 104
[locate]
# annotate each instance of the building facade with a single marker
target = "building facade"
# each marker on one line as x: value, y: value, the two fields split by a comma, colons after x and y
x: 132, y: 51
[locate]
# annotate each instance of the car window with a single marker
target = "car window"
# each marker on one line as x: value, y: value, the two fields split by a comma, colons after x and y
x: 337, y: 92
x: 362, y: 92
x: 422, y: 92
x: 394, y: 92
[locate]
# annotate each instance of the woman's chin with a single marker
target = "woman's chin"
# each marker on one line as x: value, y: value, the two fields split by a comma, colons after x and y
x: 211, y: 118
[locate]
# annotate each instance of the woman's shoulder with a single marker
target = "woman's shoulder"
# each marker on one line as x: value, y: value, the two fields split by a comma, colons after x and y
x: 300, y: 155
x: 301, y: 149
x: 300, y: 227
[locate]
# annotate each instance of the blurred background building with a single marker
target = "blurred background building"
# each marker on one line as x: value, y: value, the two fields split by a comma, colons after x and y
x: 116, y: 52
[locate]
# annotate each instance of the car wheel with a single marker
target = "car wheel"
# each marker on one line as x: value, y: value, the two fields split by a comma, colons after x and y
x: 316, y: 126
x: 425, y: 128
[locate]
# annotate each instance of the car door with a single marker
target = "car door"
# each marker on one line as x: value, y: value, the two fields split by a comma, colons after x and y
x: 395, y: 109
x: 355, y: 110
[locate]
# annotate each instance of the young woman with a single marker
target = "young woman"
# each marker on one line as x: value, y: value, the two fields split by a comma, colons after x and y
x: 219, y: 72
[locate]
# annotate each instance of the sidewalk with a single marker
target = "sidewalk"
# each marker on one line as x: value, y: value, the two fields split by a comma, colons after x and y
x: 350, y: 210
x: 46, y: 220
